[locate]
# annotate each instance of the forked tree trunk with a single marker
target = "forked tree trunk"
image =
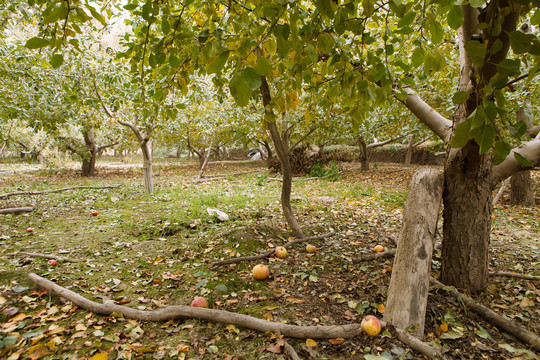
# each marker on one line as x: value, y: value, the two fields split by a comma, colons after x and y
x: 409, y: 285
x: 364, y: 155
x: 467, y: 210
x: 281, y: 151
x: 521, y: 186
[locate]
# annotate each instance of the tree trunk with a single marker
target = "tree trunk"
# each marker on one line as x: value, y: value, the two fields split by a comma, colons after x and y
x: 409, y: 285
x: 410, y: 148
x: 467, y: 200
x: 147, y: 166
x: 178, y: 151
x: 364, y: 155
x: 89, y: 158
x: 521, y: 186
x: 283, y: 156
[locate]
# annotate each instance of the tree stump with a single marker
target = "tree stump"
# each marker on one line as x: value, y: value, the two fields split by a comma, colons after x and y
x: 409, y: 284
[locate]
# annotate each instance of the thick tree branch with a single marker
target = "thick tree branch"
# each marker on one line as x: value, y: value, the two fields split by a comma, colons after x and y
x: 440, y: 125
x: 389, y: 141
x: 16, y: 210
x: 5, y: 196
x: 530, y: 150
x: 101, y: 147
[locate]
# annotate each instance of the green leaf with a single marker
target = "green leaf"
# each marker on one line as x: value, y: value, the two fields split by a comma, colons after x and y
x: 407, y: 19
x: 96, y: 15
x: 476, y: 51
x: 522, y: 159
x: 57, y: 60
x: 325, y: 43
x: 477, y: 118
x: 36, y: 43
x: 535, y: 19
x: 452, y: 334
x: 484, y: 138
x: 251, y: 77
x: 476, y: 3
x: 418, y: 57
x: 263, y: 66
x: 240, y: 91
x: 218, y: 63
x: 165, y: 26
x: 461, y: 135
x: 460, y: 97
x: 174, y: 62
x: 311, y: 54
x: 130, y: 7
x: 509, y: 67
x: 520, y: 42
x: 437, y: 31
x: 502, y: 149
x: 455, y: 17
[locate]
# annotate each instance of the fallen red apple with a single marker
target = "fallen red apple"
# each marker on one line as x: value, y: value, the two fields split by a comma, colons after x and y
x: 311, y: 248
x: 371, y: 325
x: 29, y: 229
x: 281, y: 252
x: 378, y: 248
x: 261, y: 272
x: 94, y: 212
x: 199, y: 302
x: 52, y: 262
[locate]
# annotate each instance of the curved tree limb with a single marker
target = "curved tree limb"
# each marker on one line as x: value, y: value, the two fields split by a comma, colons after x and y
x: 5, y: 196
x: 46, y: 256
x: 289, y: 350
x: 530, y: 150
x: 440, y: 125
x: 270, y: 252
x: 222, y: 316
x: 490, y: 315
x: 368, y: 257
x: 516, y: 275
x: 16, y: 210
x: 226, y: 317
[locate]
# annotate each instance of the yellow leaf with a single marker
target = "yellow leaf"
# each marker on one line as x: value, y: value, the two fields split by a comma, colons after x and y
x: 444, y: 327
x: 38, y: 351
x: 381, y: 308
x: 311, y: 343
x: 100, y: 356
x: 2, y: 300
x: 18, y: 317
x: 337, y: 341
x: 232, y: 328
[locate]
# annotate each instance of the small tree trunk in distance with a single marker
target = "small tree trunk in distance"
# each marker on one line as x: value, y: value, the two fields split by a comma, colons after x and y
x: 521, y: 186
x: 410, y: 148
x: 409, y: 284
x: 89, y: 159
x: 364, y: 156
x: 147, y: 166
x: 283, y: 156
x: 205, y: 159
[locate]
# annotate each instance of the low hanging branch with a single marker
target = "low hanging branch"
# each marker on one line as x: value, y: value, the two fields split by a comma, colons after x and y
x: 226, y: 317
x: 490, y: 315
x: 5, y: 196
x: 16, y: 210
x: 270, y: 252
x: 516, y: 275
x: 46, y: 256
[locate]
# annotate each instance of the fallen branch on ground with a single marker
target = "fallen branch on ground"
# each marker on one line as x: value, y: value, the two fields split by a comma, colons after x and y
x: 5, y: 196
x: 507, y: 325
x: 269, y: 252
x: 516, y: 275
x: 290, y: 352
x: 226, y: 317
x: 16, y: 210
x: 51, y: 256
x: 225, y: 175
x: 368, y: 257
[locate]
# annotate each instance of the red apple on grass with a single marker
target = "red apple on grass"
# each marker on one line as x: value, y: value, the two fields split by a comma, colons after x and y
x: 199, y: 301
x: 281, y: 252
x: 29, y: 229
x: 371, y: 325
x: 52, y: 262
x: 261, y: 272
x: 378, y: 248
x: 94, y: 212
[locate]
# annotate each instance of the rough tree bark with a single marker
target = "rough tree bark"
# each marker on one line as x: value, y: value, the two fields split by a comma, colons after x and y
x: 410, y: 148
x: 409, y: 284
x: 521, y: 186
x: 145, y: 146
x: 364, y: 155
x: 282, y: 153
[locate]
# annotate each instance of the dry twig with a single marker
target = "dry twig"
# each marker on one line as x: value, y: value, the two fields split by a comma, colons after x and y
x: 16, y: 210
x: 270, y: 252
x: 5, y: 196
x: 51, y: 256
x: 516, y: 275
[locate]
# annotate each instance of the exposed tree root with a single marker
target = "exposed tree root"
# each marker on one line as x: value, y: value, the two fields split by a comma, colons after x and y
x: 488, y: 314
x: 387, y: 253
x: 269, y: 252
x: 16, y: 210
x: 290, y: 352
x: 516, y: 275
x: 59, y: 258
x: 5, y: 196
x: 226, y: 317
